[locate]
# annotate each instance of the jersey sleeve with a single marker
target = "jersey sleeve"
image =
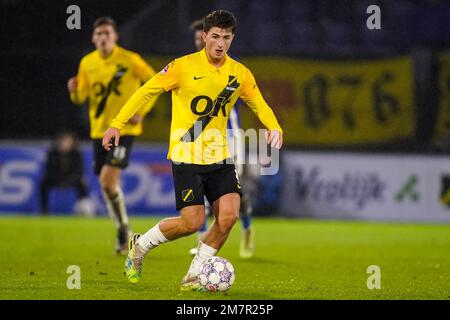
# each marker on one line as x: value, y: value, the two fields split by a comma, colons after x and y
x: 253, y: 98
x: 169, y: 76
x: 80, y: 95
x: 150, y: 90
x: 143, y: 71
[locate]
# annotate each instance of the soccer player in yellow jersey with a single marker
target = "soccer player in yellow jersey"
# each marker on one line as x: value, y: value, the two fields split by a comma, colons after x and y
x: 107, y: 77
x: 205, y: 85
x: 235, y: 140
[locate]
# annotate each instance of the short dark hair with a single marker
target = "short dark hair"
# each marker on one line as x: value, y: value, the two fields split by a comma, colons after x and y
x: 105, y: 21
x: 197, y: 25
x: 220, y: 18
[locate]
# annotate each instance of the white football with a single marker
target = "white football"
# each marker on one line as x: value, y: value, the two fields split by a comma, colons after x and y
x: 216, y: 274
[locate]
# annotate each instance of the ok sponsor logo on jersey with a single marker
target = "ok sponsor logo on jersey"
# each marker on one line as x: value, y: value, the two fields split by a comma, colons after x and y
x: 212, y: 108
x: 105, y: 91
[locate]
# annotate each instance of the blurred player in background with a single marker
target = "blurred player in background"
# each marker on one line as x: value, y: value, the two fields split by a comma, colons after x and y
x: 205, y: 86
x: 107, y: 77
x: 235, y: 142
x: 63, y: 169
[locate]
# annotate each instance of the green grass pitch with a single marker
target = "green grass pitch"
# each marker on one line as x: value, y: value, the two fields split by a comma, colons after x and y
x: 295, y: 259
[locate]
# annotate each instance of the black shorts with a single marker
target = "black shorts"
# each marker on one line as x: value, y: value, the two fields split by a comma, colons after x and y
x: 117, y: 156
x: 194, y: 182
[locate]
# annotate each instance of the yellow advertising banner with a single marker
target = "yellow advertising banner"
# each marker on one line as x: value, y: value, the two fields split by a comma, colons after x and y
x: 442, y: 130
x: 335, y: 102
x: 321, y: 102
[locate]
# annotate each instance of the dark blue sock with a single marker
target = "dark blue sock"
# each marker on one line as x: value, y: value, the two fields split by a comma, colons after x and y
x: 246, y: 221
x: 204, y: 227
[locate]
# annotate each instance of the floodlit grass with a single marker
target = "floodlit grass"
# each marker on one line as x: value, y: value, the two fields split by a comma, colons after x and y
x: 294, y: 259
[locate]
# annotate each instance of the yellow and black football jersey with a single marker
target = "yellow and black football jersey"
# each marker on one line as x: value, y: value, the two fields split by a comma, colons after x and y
x: 108, y: 83
x: 202, y: 98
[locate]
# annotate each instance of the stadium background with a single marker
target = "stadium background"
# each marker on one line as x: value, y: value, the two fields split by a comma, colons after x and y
x: 340, y: 91
x: 366, y: 115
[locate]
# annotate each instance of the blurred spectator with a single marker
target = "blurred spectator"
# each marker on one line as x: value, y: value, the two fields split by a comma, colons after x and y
x: 64, y: 169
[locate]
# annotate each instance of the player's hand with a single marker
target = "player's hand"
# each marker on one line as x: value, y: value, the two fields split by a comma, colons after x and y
x: 274, y: 138
x: 111, y: 138
x: 136, y: 119
x: 72, y: 84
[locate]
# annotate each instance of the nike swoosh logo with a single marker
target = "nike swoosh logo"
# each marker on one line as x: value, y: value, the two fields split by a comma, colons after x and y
x: 198, y: 78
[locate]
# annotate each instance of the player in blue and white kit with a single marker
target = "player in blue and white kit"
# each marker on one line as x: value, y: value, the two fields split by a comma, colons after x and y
x: 247, y: 246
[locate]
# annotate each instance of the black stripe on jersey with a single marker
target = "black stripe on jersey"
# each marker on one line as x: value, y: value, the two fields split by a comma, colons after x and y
x: 219, y: 105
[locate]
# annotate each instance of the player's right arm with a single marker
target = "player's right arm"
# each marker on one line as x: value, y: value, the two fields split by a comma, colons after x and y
x: 142, y: 71
x: 78, y: 86
x: 165, y: 80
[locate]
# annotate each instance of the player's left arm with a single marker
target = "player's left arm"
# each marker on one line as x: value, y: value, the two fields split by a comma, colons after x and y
x: 254, y: 99
x: 142, y: 71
